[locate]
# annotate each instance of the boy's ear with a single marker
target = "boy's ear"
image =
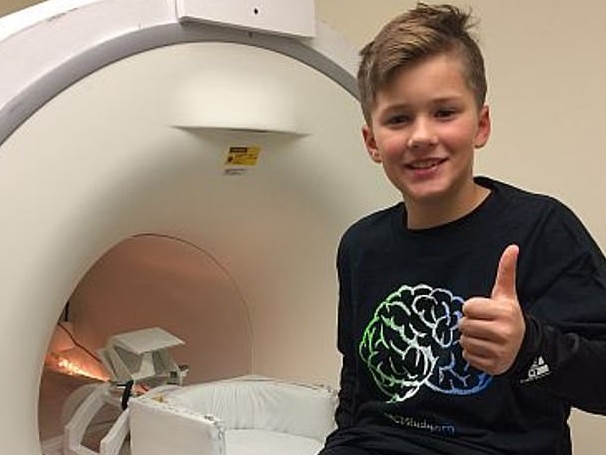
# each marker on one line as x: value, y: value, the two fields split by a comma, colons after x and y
x: 371, y: 144
x: 483, y: 128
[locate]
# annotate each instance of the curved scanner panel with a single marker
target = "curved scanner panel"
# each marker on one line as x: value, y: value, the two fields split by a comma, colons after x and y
x: 136, y: 148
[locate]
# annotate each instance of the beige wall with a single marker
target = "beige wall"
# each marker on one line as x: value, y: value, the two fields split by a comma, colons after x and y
x: 9, y: 6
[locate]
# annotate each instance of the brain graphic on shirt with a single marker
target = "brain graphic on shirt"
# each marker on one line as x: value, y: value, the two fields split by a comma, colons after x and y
x: 413, y: 341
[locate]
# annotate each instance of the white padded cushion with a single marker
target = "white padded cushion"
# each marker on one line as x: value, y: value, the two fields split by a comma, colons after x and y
x: 160, y: 429
x: 262, y: 403
x: 263, y: 442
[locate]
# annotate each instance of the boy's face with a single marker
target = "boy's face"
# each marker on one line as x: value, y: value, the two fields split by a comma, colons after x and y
x: 425, y: 127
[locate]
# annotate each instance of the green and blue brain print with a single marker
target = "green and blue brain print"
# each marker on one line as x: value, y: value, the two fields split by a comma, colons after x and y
x: 412, y: 341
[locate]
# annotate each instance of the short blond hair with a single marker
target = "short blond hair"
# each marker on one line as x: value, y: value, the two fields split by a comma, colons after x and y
x: 424, y: 31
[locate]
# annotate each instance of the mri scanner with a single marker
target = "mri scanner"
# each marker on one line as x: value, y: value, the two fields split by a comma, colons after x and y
x: 232, y: 128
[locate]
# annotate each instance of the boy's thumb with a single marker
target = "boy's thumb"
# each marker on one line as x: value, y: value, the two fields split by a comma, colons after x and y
x: 505, y: 281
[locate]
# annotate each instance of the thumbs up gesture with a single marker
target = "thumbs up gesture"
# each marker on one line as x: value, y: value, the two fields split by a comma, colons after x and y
x: 492, y: 329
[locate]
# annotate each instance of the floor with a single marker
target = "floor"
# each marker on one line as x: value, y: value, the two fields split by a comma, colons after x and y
x: 55, y: 390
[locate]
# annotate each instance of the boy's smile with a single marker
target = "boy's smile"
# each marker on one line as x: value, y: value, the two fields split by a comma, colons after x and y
x: 425, y: 127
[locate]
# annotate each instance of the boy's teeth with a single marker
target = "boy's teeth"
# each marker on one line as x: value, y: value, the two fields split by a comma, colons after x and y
x: 424, y: 164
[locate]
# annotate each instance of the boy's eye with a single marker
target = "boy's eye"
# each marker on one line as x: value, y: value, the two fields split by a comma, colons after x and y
x: 445, y: 113
x: 398, y: 119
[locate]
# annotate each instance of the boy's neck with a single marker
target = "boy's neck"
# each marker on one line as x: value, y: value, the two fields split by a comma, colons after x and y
x: 426, y: 215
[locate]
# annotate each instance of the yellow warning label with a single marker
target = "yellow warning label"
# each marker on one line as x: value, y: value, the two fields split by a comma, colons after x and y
x: 242, y: 156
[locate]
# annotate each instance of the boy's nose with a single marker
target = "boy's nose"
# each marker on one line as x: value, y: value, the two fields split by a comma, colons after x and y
x: 421, y: 134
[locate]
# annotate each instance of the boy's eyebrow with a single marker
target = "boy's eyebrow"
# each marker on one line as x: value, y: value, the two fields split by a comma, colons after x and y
x: 434, y: 101
x: 447, y: 99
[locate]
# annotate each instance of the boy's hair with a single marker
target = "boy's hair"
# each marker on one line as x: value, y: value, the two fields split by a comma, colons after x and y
x: 424, y: 31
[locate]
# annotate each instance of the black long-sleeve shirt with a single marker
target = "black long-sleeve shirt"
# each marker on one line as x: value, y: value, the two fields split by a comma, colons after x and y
x: 405, y: 387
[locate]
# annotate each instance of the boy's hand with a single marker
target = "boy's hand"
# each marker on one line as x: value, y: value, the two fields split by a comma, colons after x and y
x: 492, y: 329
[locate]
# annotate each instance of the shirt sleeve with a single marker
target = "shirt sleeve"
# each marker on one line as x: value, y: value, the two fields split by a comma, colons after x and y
x: 564, y: 348
x: 344, y: 415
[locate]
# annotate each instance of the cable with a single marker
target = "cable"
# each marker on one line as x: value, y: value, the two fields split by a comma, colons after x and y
x: 66, y: 312
x: 128, y: 387
x: 77, y: 343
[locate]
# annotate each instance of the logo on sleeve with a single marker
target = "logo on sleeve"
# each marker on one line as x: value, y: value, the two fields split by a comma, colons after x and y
x: 537, y: 370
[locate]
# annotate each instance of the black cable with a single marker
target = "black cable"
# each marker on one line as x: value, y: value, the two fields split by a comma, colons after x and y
x: 78, y: 344
x: 128, y: 387
x: 66, y: 312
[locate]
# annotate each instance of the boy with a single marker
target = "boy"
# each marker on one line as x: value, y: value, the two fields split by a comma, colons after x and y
x: 430, y: 366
